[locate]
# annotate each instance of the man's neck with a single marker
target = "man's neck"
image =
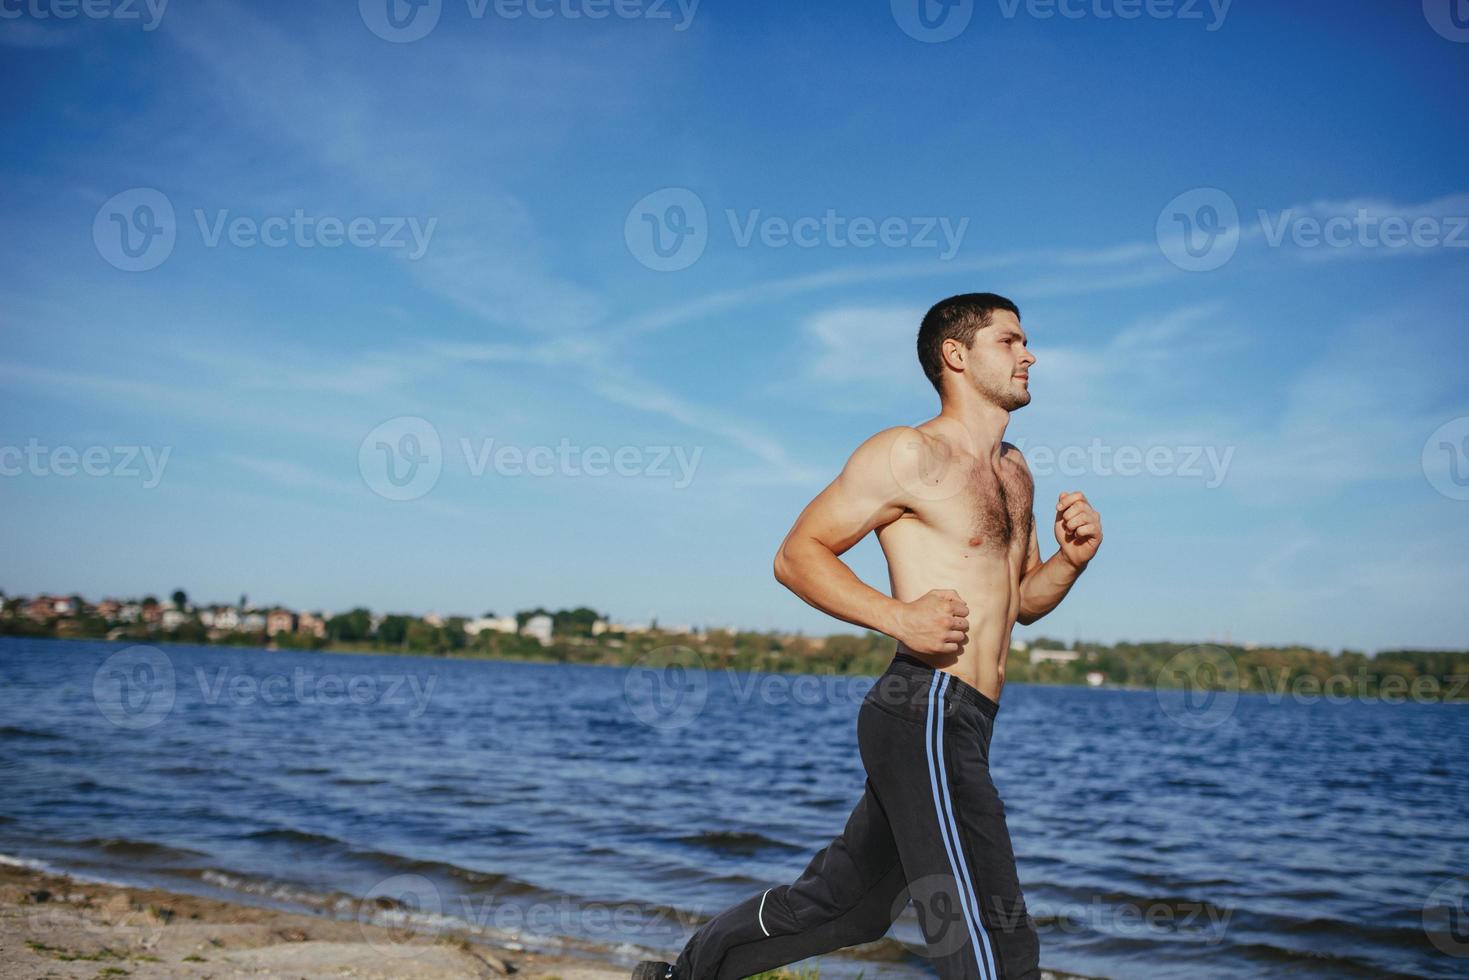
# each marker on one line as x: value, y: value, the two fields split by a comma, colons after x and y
x: 982, y: 424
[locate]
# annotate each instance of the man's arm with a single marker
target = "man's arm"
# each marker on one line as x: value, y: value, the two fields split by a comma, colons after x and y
x: 1078, y: 534
x: 868, y: 493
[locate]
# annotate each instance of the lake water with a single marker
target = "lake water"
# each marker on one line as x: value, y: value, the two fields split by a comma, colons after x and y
x: 566, y: 805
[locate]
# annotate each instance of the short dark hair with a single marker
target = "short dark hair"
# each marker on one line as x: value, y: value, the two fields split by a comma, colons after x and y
x: 958, y: 317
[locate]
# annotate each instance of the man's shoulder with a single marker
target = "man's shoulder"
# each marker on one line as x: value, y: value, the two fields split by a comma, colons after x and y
x: 1011, y: 453
x: 892, y: 457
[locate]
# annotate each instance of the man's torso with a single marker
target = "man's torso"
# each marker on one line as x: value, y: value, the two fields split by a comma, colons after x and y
x: 967, y: 529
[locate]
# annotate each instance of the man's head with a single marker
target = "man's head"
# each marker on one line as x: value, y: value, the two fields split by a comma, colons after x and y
x: 976, y: 340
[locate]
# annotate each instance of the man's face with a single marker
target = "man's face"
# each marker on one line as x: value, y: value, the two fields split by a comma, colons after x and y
x: 998, y: 364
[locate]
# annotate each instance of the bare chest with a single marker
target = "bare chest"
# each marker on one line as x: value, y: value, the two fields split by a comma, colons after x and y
x: 996, y: 508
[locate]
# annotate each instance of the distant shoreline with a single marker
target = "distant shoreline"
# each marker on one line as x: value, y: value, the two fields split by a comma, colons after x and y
x: 1455, y: 687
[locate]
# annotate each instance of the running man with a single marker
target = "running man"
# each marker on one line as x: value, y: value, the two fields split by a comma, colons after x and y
x: 952, y: 507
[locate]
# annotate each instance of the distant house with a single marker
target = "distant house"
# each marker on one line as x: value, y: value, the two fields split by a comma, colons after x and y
x: 1095, y: 678
x: 433, y: 619
x: 130, y: 612
x: 628, y: 627
x: 496, y: 624
x: 252, y: 622
x: 1042, y: 656
x: 225, y: 618
x: 539, y: 626
x: 311, y: 623
x: 280, y: 621
x: 173, y: 619
x: 109, y: 608
x: 599, y: 627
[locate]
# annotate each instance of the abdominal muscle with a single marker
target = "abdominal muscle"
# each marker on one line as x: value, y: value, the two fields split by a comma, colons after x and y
x: 987, y: 579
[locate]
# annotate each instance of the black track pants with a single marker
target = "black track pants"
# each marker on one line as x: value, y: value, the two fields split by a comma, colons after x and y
x: 929, y: 827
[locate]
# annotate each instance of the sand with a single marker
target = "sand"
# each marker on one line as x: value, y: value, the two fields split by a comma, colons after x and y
x: 53, y: 926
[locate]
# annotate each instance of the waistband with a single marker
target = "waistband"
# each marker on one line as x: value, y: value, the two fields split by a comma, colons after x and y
x: 906, y: 663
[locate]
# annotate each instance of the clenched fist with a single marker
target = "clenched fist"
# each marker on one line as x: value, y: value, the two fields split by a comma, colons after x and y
x: 1078, y: 528
x: 935, y: 623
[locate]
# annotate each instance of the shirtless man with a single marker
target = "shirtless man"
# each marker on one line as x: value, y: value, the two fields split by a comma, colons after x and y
x: 951, y: 505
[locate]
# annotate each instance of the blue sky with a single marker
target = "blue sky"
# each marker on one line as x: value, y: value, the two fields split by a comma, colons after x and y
x: 1067, y: 157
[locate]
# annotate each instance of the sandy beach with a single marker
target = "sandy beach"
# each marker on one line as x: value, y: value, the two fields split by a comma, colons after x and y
x: 54, y: 926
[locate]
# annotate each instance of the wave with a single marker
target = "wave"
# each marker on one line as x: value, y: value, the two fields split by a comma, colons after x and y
x: 147, y: 850
x: 289, y: 835
x: 14, y: 731
x: 735, y: 841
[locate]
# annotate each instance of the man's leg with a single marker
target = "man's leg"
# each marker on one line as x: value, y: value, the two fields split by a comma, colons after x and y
x: 846, y: 896
x: 926, y: 749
